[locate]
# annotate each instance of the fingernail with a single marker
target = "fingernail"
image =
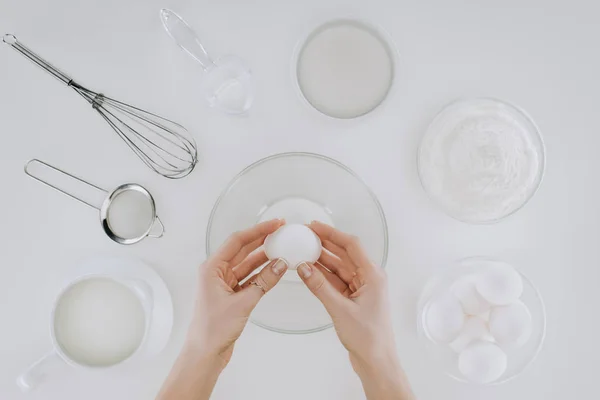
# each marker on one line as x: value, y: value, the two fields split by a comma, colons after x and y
x: 304, y: 270
x: 279, y: 266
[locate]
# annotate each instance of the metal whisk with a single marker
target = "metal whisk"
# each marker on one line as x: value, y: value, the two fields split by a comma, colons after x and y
x: 163, y: 145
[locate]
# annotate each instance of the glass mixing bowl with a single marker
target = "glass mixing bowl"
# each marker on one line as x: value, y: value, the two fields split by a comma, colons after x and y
x: 445, y: 359
x: 332, y: 191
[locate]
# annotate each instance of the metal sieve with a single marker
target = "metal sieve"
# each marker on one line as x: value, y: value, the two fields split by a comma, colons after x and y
x: 105, y: 208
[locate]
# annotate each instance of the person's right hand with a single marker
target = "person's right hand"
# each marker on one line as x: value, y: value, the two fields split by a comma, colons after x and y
x: 354, y: 292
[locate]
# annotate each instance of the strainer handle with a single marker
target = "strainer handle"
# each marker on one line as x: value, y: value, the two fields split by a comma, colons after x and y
x: 45, y: 182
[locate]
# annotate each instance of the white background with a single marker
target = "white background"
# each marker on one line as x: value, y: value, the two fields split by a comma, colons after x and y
x: 541, y: 55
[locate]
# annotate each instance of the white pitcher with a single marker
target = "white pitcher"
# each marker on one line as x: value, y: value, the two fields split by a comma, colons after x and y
x: 144, y: 283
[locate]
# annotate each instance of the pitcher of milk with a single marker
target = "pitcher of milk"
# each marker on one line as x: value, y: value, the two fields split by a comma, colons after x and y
x: 110, y: 311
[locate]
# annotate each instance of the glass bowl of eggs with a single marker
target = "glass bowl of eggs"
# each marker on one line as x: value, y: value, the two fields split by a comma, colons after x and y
x: 299, y: 187
x: 481, y: 321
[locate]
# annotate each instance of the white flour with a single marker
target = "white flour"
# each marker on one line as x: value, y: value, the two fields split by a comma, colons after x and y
x: 480, y: 165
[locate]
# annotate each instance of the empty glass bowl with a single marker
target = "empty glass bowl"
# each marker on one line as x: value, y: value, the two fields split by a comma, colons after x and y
x: 445, y: 359
x: 315, y: 187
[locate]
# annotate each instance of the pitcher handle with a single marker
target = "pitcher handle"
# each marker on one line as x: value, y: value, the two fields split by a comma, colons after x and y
x: 40, y: 370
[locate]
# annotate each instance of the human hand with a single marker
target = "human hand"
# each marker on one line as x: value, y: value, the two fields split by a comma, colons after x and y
x: 354, y: 291
x: 222, y: 311
x: 222, y: 305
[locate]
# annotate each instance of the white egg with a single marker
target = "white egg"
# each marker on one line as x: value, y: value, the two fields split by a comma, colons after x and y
x: 470, y: 299
x: 294, y: 243
x: 482, y: 362
x: 443, y: 318
x: 475, y: 329
x: 511, y: 325
x: 499, y: 283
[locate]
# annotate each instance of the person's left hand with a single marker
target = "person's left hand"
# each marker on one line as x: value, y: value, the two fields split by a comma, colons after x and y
x: 222, y: 305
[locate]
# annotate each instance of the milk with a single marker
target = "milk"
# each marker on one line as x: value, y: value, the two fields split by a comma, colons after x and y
x: 345, y: 69
x: 99, y: 322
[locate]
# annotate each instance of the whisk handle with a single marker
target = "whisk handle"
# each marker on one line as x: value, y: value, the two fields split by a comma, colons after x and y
x: 12, y: 41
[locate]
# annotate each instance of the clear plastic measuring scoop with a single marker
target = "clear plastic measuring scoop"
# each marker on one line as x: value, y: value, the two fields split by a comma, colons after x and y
x: 227, y: 83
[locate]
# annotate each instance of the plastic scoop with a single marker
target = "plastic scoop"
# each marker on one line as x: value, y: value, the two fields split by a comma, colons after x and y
x: 227, y: 82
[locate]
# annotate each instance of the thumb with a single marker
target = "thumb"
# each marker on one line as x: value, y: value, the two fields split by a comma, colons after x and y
x: 320, y: 286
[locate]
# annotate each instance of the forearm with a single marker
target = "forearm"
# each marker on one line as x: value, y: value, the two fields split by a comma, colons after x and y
x: 192, y: 377
x: 384, y: 379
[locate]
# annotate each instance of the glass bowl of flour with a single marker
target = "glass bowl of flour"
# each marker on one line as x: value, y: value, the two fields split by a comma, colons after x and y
x: 481, y: 160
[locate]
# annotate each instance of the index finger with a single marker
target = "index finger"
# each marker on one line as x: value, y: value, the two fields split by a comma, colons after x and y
x: 238, y: 240
x: 348, y: 242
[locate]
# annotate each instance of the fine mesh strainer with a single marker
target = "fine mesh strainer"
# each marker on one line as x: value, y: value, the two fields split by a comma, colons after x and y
x: 127, y: 213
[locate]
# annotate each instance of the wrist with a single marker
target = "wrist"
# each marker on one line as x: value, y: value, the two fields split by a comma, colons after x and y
x: 202, y: 355
x: 374, y: 354
x: 195, y: 372
x: 374, y: 364
x: 382, y: 376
